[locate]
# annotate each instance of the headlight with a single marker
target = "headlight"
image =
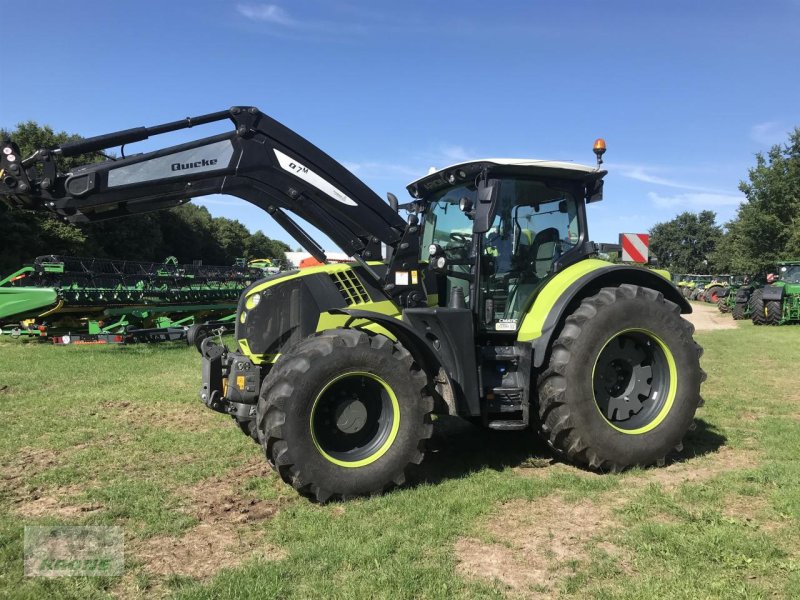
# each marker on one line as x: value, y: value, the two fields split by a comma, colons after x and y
x: 243, y: 317
x: 255, y: 299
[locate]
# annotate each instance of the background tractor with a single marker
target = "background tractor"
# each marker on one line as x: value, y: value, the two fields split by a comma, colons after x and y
x: 778, y: 303
x: 488, y: 303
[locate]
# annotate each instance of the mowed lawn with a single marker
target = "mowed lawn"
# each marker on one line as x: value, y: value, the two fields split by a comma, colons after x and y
x: 116, y: 436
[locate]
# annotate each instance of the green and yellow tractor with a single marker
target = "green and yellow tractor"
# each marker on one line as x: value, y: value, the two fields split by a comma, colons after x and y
x: 486, y: 302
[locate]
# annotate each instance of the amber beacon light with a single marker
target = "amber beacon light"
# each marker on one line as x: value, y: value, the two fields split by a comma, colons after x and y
x: 599, y: 149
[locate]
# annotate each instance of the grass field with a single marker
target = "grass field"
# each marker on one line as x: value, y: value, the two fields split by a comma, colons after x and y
x: 116, y: 436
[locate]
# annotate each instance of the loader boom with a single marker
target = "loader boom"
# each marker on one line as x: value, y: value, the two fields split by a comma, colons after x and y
x: 260, y: 161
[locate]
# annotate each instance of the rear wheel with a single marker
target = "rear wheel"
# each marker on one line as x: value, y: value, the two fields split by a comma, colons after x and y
x: 773, y: 312
x: 638, y: 399
x: 345, y: 414
x: 757, y: 313
x: 712, y: 294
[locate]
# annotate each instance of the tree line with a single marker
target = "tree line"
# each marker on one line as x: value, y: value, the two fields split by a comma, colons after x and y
x: 188, y: 232
x: 766, y: 228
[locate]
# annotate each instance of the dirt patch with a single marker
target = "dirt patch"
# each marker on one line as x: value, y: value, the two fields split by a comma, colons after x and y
x: 62, y: 502
x: 549, y: 534
x: 27, y: 462
x: 202, y: 551
x: 219, y: 540
x: 173, y: 417
x: 725, y: 460
x: 551, y: 537
x: 219, y: 499
x: 706, y: 317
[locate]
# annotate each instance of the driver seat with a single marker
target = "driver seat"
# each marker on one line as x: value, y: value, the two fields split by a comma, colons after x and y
x: 545, y: 249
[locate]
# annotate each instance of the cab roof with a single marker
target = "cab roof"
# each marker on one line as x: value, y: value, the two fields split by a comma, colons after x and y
x: 462, y: 171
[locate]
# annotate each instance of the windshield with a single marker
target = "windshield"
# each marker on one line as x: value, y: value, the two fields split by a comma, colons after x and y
x: 790, y: 273
x: 446, y: 224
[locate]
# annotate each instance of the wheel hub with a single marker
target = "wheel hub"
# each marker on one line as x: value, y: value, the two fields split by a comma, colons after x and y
x: 624, y: 385
x: 350, y: 415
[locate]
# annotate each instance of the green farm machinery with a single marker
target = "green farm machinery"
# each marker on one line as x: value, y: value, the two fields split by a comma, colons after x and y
x: 778, y: 303
x: 82, y: 300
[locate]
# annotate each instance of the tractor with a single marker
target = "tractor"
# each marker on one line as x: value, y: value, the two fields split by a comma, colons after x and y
x: 486, y: 302
x: 778, y: 302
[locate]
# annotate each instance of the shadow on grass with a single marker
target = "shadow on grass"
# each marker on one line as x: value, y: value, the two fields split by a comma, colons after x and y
x: 459, y: 448
x: 705, y: 439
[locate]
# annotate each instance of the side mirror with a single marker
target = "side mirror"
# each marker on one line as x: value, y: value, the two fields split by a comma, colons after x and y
x: 594, y: 190
x: 465, y: 204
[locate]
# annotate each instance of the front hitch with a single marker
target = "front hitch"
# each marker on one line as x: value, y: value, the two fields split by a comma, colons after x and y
x: 214, y: 357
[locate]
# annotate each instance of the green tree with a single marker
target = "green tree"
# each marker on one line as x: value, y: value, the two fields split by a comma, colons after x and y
x: 686, y: 243
x: 260, y: 246
x: 767, y: 226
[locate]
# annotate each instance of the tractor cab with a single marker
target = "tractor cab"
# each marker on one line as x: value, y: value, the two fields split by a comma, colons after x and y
x: 495, y: 230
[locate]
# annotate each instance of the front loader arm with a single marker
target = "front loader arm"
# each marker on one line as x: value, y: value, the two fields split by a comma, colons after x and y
x: 261, y: 161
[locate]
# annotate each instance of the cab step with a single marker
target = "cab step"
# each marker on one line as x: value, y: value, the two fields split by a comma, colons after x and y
x: 515, y: 425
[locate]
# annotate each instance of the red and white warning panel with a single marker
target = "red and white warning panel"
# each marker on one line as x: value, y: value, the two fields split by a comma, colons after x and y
x: 635, y: 247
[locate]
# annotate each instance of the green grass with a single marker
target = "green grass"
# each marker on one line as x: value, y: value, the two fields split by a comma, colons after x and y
x: 121, y: 428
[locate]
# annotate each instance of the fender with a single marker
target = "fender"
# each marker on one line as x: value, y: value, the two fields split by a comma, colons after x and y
x: 772, y: 292
x: 567, y: 288
x: 447, y: 346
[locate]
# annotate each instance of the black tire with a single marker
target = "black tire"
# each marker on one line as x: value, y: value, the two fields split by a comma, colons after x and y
x: 757, y: 313
x: 569, y: 394
x: 196, y: 334
x: 722, y: 305
x: 739, y: 311
x: 248, y: 427
x: 773, y: 312
x: 302, y: 415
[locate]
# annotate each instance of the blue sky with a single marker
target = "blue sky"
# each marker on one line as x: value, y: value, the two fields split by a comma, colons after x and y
x: 685, y: 92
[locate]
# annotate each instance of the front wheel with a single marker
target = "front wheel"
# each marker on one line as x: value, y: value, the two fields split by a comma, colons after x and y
x: 344, y: 414
x: 623, y: 382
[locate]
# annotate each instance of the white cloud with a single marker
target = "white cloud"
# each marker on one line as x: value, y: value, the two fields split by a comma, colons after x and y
x: 698, y: 200
x: 647, y: 174
x: 455, y: 154
x: 769, y: 133
x: 270, y: 13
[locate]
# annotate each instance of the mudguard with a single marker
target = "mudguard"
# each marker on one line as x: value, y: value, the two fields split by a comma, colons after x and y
x: 438, y: 339
x: 772, y: 292
x: 563, y: 292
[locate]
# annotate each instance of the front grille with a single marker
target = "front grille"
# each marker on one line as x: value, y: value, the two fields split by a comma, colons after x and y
x: 350, y: 287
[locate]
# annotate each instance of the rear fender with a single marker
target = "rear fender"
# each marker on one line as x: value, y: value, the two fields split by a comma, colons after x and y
x: 562, y: 295
x: 772, y: 292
